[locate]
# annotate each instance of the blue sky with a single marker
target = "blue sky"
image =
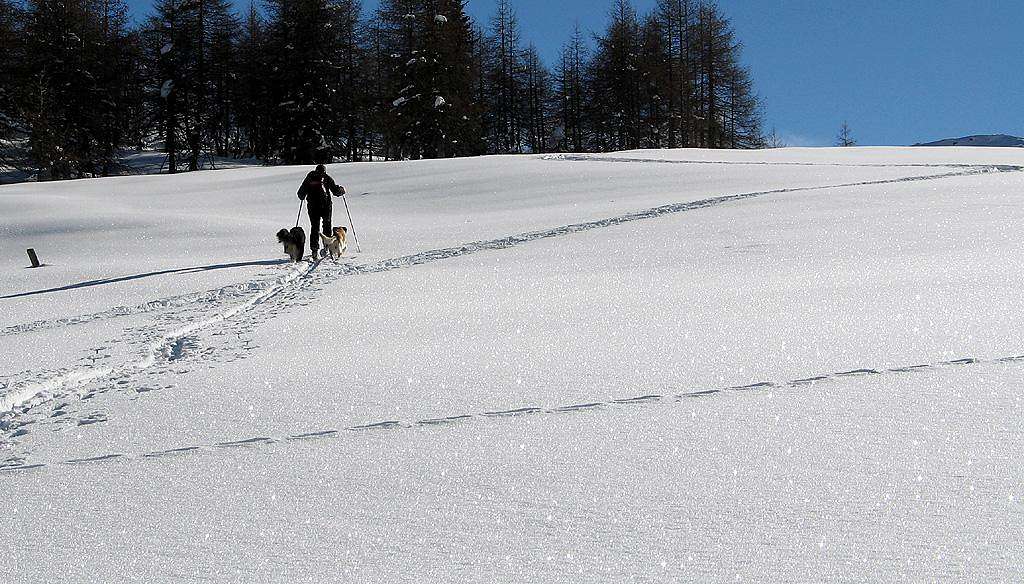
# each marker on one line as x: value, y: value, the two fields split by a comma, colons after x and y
x: 899, y: 71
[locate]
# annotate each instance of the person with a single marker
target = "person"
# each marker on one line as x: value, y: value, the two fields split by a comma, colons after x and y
x: 316, y: 190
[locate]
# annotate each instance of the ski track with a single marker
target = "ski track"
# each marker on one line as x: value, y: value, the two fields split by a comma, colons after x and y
x: 234, y: 291
x: 18, y: 463
x: 652, y: 213
x: 599, y: 158
x: 169, y: 351
x: 170, y: 347
x: 224, y: 294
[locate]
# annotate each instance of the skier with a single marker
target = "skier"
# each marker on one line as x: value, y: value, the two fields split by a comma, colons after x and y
x: 316, y: 190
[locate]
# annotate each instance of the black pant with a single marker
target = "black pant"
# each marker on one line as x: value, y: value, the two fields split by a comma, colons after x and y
x: 319, y: 219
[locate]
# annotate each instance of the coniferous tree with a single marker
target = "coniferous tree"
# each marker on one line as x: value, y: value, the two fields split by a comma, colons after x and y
x: 309, y: 80
x: 78, y: 54
x: 351, y: 95
x: 655, y: 74
x: 399, y: 50
x: 571, y: 94
x: 845, y: 137
x: 460, y: 71
x: 615, y: 82
x: 677, y: 23
x: 170, y: 50
x: 377, y: 67
x: 538, y: 106
x: 505, y: 83
x: 222, y: 60
x: 190, y: 53
x: 11, y: 70
x: 117, y: 63
x: 726, y: 105
x: 773, y: 140
x: 302, y: 46
x: 706, y: 66
x: 430, y: 48
x: 743, y: 116
x: 55, y: 52
x: 255, y: 111
x: 138, y: 127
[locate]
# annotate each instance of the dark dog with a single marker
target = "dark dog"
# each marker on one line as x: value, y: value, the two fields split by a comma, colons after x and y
x: 294, y: 242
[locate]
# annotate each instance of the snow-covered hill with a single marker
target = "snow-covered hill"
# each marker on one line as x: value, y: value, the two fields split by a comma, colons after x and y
x: 991, y: 141
x: 787, y: 365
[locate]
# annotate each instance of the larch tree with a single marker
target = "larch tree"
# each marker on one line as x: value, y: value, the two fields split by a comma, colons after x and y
x: 505, y: 71
x: 255, y: 112
x: 677, y: 22
x: 538, y: 102
x: 726, y: 107
x: 170, y: 50
x: 570, y: 93
x: 222, y: 30
x: 303, y: 81
x: 13, y: 71
x: 845, y: 137
x: 655, y: 84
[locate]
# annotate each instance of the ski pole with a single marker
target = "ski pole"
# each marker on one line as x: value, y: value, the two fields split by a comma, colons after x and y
x: 297, y: 216
x: 350, y: 224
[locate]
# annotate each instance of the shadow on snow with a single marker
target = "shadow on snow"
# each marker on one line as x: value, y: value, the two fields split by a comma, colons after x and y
x: 103, y: 281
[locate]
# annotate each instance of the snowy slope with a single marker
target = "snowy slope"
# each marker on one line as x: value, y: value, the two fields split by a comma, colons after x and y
x: 685, y: 365
x: 129, y: 162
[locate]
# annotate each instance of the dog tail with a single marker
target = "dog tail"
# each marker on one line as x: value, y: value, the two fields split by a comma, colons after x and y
x: 326, y: 240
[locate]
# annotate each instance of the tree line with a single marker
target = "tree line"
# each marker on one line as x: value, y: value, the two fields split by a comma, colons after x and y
x: 303, y: 81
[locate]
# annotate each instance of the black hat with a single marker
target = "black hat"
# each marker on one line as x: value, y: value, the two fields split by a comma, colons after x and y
x: 321, y: 168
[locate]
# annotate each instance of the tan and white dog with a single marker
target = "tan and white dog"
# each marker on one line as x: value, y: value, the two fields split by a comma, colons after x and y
x: 336, y: 245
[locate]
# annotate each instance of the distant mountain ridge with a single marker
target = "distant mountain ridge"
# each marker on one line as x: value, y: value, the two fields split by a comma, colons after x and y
x: 994, y: 140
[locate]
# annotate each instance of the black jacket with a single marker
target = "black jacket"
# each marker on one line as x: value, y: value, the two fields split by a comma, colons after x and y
x: 317, y: 188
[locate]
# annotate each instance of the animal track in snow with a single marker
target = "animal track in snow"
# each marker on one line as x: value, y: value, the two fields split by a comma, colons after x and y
x: 637, y: 400
x: 21, y: 463
x: 101, y: 458
x: 93, y: 418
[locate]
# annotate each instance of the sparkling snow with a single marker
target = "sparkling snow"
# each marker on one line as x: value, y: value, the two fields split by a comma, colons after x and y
x: 787, y: 365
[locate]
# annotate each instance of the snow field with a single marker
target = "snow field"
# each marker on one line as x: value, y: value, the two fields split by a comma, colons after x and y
x: 837, y: 481
x: 591, y: 371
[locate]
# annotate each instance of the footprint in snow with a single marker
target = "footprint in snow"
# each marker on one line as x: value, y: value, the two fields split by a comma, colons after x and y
x: 94, y: 418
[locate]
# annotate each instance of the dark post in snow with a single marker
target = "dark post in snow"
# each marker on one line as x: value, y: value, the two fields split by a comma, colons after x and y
x: 33, y: 258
